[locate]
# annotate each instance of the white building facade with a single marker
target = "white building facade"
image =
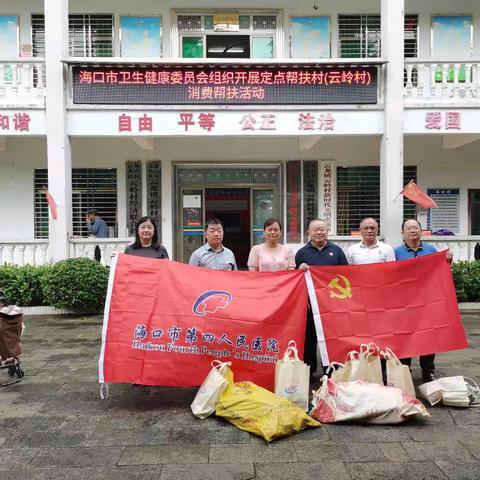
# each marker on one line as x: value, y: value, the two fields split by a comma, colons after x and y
x: 241, y: 110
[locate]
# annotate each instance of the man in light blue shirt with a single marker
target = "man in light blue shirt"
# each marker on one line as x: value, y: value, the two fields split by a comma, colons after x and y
x: 213, y: 254
x: 411, y: 248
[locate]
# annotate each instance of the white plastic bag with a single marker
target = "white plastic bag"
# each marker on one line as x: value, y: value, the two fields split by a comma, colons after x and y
x: 212, y: 387
x: 398, y: 375
x: 363, y: 402
x: 452, y: 391
x: 292, y: 377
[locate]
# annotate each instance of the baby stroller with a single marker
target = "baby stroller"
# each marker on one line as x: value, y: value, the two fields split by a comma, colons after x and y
x: 11, y: 327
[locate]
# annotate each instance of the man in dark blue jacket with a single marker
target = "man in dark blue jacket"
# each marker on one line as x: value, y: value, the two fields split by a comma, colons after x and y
x: 318, y: 251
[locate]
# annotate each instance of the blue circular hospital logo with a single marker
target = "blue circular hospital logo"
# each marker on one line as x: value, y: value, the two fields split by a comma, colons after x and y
x: 211, y: 301
x: 291, y: 389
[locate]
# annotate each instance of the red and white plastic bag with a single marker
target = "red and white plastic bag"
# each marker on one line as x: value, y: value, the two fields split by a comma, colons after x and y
x: 363, y: 402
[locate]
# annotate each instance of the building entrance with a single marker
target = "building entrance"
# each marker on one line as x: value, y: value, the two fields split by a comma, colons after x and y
x: 232, y: 207
x: 242, y: 198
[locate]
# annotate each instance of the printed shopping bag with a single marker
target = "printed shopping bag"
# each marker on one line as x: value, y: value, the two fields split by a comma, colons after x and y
x: 212, y: 387
x: 398, y: 375
x: 292, y: 377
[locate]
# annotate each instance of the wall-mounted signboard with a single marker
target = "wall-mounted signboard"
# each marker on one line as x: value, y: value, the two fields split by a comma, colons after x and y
x: 225, y: 84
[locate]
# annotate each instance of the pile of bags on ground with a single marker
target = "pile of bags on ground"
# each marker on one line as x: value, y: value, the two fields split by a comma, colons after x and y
x: 354, y: 392
x: 249, y: 406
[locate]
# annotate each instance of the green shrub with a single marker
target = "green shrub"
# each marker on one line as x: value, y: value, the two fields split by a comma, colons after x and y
x: 466, y: 276
x: 22, y: 285
x: 79, y: 284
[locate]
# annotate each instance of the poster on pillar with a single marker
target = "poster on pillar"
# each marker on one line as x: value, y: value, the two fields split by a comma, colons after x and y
x: 328, y: 194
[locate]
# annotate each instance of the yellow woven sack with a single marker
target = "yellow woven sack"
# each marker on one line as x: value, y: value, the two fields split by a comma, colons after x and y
x: 256, y: 410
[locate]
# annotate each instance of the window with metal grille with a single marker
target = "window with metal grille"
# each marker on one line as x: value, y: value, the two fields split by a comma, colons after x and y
x: 194, y: 23
x: 190, y: 23
x: 411, y: 36
x: 255, y: 38
x: 91, y: 188
x: 264, y: 22
x: 359, y: 36
x: 358, y: 196
x: 90, y: 35
x: 38, y: 44
x: 411, y: 45
x: 40, y: 204
x: 38, y: 35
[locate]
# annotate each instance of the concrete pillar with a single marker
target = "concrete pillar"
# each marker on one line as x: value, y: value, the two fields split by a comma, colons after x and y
x: 391, y: 145
x: 168, y: 200
x: 58, y: 143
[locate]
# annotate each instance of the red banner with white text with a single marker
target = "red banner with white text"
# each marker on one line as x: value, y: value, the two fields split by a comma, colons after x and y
x: 165, y: 322
x: 409, y: 306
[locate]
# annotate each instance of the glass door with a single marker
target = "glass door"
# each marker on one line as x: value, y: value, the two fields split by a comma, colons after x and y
x: 242, y: 196
x: 264, y: 205
x: 192, y: 217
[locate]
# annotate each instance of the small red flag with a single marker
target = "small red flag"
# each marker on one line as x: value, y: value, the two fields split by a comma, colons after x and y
x: 417, y: 195
x: 51, y: 203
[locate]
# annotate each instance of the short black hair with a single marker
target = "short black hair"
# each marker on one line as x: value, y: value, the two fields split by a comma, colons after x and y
x: 408, y: 219
x: 93, y: 211
x: 213, y: 221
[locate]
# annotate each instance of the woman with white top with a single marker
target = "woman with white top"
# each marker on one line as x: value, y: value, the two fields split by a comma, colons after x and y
x: 271, y: 256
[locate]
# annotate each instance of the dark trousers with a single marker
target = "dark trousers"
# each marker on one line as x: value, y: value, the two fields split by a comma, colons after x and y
x: 427, y: 363
x: 310, y: 347
x: 97, y: 255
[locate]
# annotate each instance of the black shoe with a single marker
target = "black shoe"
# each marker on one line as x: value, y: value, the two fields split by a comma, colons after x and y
x: 428, y: 377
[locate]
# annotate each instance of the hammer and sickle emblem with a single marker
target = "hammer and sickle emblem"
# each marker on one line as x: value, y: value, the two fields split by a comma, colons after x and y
x: 337, y: 290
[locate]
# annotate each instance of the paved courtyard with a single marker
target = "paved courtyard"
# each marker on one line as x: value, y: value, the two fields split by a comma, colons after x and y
x: 54, y: 425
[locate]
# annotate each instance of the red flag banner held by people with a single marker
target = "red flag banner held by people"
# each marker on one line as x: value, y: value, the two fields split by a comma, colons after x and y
x: 417, y: 195
x: 165, y: 322
x: 408, y: 305
x: 51, y: 203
